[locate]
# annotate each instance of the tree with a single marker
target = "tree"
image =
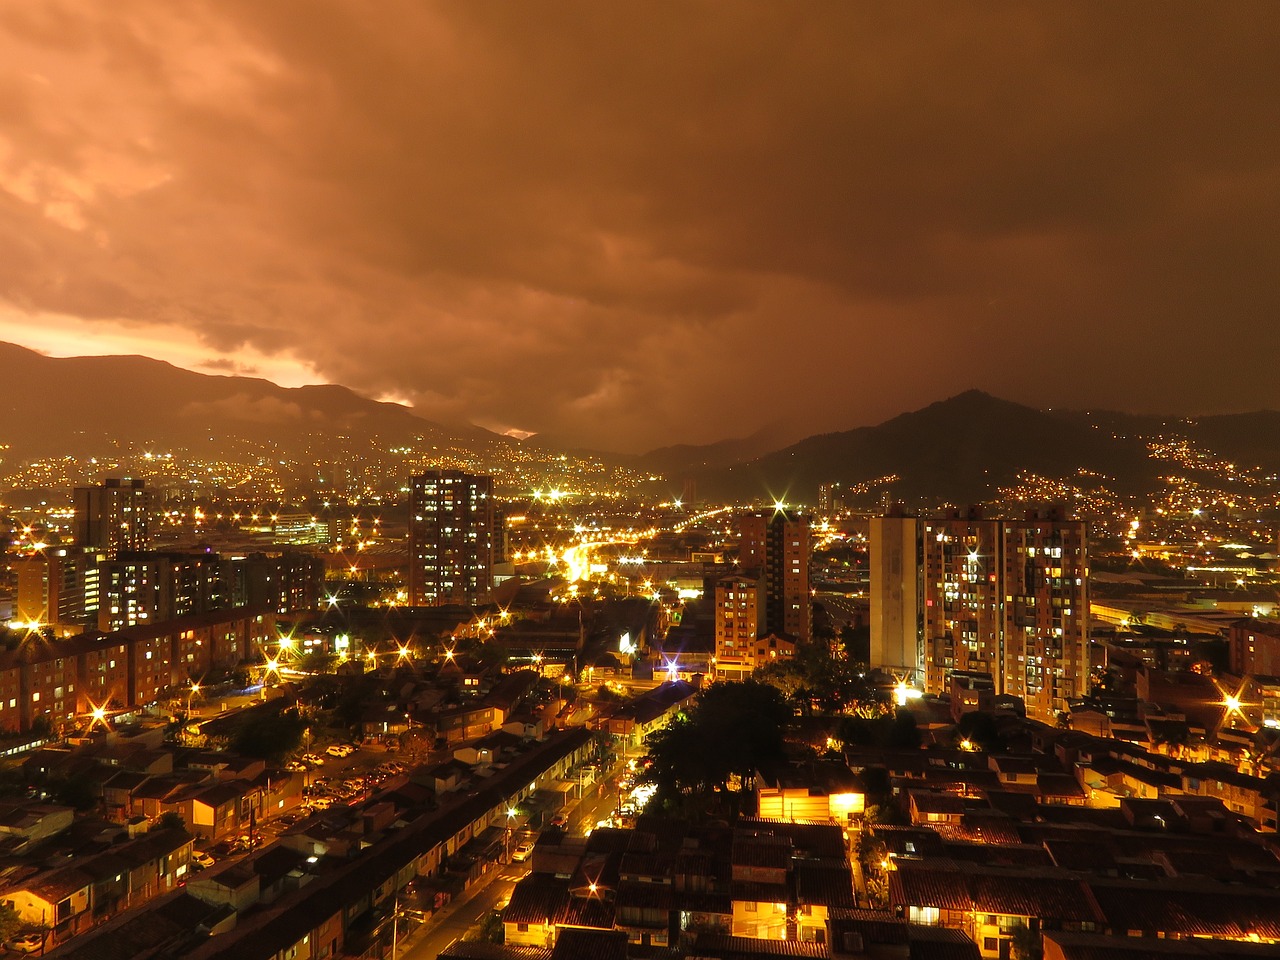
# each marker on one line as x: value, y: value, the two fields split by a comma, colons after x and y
x: 357, y: 695
x: 73, y: 792
x: 896, y: 731
x: 1025, y: 943
x: 171, y: 820
x: 815, y: 680
x: 980, y: 729
x: 713, y: 749
x: 270, y: 736
x: 317, y: 661
x: 10, y: 922
x: 856, y: 642
x: 489, y: 930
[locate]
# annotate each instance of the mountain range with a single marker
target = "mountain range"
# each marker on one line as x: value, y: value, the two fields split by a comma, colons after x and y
x: 81, y: 406
x: 964, y: 448
x: 960, y: 449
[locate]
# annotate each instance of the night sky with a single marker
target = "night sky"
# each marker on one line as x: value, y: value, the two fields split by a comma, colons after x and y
x: 631, y: 224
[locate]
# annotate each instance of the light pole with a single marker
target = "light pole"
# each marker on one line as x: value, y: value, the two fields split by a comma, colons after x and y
x: 396, y: 914
x: 511, y: 815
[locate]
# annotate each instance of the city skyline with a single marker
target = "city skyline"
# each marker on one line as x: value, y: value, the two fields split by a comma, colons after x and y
x: 605, y: 226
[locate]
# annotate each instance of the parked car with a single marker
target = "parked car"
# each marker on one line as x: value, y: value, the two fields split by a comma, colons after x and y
x: 313, y: 760
x: 296, y: 766
x: 559, y: 820
x: 340, y: 750
x: 202, y: 858
x: 522, y: 851
x: 27, y: 943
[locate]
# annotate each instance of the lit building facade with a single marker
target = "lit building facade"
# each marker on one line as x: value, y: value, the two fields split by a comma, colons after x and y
x: 58, y: 588
x: 961, y: 614
x: 113, y: 517
x: 1008, y: 598
x: 778, y: 545
x: 451, y: 538
x: 140, y: 588
x: 738, y: 622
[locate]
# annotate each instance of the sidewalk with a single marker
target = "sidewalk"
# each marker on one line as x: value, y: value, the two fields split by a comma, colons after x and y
x: 423, y: 931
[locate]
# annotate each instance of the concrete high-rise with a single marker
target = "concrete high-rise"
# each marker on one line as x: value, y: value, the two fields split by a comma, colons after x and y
x: 739, y: 615
x: 777, y: 544
x: 113, y: 517
x: 1008, y: 598
x: 55, y: 586
x: 896, y: 609
x: 1045, y: 588
x: 143, y: 588
x: 451, y: 538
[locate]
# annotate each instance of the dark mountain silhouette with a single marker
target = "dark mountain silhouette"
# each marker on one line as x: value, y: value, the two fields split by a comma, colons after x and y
x: 681, y: 459
x: 958, y: 449
x: 85, y: 405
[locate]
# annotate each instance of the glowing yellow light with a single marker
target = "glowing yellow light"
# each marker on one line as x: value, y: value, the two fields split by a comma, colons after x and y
x: 904, y: 692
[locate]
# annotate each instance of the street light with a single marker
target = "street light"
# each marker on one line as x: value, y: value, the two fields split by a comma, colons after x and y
x: 396, y: 914
x: 511, y: 815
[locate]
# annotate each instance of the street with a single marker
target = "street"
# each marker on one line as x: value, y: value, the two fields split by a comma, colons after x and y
x: 462, y: 916
x: 598, y: 801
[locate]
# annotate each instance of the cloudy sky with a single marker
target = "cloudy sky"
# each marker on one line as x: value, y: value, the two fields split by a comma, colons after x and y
x: 630, y: 224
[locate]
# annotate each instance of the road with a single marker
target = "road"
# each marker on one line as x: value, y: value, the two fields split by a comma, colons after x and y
x: 461, y: 917
x: 599, y: 799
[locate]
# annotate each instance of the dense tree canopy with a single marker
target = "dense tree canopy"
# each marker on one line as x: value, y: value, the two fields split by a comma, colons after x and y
x: 888, y: 731
x: 270, y: 736
x: 817, y: 682
x: 731, y: 731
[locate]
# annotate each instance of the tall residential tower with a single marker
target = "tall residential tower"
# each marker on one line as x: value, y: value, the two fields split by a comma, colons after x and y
x: 113, y: 517
x: 777, y: 545
x: 451, y: 538
x: 1008, y: 598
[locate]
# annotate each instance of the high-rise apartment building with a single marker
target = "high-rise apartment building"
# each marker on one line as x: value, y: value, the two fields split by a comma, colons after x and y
x: 283, y: 582
x: 451, y: 538
x: 739, y: 615
x: 113, y: 517
x: 142, y: 588
x: 1008, y: 598
x: 896, y: 609
x: 58, y: 588
x: 1045, y: 589
x: 777, y: 544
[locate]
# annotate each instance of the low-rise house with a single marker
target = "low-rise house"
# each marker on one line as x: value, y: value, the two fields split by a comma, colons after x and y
x: 988, y: 903
x: 69, y: 899
x: 815, y: 791
x: 60, y: 899
x: 29, y: 823
x: 214, y: 811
